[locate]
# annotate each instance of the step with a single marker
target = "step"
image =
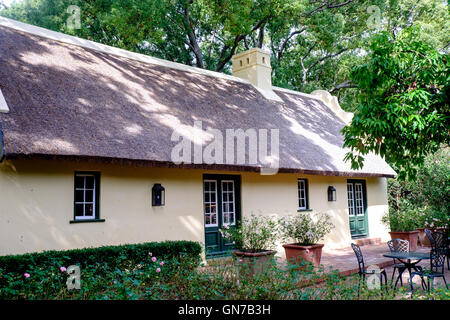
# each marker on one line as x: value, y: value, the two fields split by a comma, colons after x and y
x: 367, y: 241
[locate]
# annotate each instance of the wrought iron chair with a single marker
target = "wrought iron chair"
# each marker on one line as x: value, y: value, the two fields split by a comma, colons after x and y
x: 398, y: 245
x: 437, y: 266
x: 362, y: 268
x: 439, y: 241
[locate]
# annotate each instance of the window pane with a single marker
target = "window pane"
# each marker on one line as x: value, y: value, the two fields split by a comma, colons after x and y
x: 90, y: 182
x: 79, y: 195
x: 79, y: 182
x: 207, y: 197
x: 89, y: 210
x: 89, y: 196
x: 79, y: 210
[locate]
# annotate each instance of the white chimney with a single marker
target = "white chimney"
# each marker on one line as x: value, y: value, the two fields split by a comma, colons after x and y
x: 254, y: 65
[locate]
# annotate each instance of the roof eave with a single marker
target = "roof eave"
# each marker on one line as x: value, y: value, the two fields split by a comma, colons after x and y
x: 169, y: 164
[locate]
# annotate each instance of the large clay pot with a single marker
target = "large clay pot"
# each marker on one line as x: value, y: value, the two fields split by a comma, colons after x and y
x: 300, y: 253
x: 423, y: 239
x: 251, y: 263
x: 411, y: 236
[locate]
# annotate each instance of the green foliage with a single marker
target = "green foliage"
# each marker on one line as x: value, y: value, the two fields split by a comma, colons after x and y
x: 407, y: 219
x: 111, y: 272
x: 404, y: 103
x: 122, y: 256
x: 305, y: 229
x: 186, y: 281
x: 428, y: 194
x: 254, y: 233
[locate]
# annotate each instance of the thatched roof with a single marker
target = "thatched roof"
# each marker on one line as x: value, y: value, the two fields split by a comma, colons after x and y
x: 71, y: 102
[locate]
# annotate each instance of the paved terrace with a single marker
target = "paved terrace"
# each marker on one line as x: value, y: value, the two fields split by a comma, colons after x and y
x: 345, y: 261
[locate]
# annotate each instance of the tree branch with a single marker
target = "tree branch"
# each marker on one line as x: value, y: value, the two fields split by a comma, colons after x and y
x: 327, y: 57
x: 285, y: 42
x: 237, y: 40
x: 345, y: 84
x: 327, y: 5
x: 192, y: 39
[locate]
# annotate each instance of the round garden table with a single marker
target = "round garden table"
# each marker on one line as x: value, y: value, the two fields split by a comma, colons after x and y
x: 409, y: 259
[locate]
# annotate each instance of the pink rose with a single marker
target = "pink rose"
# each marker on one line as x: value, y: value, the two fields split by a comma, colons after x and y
x: 154, y: 259
x: 26, y: 275
x: 240, y: 260
x: 63, y: 269
x: 158, y: 269
x: 162, y: 263
x: 307, y: 250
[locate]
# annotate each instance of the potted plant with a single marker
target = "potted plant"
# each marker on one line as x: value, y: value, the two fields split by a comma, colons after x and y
x: 305, y: 232
x: 403, y: 224
x: 432, y: 221
x: 254, y: 239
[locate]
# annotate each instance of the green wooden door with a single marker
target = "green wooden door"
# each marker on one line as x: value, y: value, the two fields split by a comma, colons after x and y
x: 221, y: 206
x: 357, y: 208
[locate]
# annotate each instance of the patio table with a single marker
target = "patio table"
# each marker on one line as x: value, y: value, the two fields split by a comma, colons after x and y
x: 409, y: 259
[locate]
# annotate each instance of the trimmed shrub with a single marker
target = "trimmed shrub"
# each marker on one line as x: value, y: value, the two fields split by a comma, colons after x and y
x: 122, y: 256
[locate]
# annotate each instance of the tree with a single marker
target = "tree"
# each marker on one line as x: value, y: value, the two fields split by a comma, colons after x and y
x: 404, y: 95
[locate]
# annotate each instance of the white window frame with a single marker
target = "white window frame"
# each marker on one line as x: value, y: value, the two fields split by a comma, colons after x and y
x: 207, y: 225
x: 359, y: 199
x: 351, y: 199
x: 305, y: 192
x: 84, y: 203
x: 234, y: 203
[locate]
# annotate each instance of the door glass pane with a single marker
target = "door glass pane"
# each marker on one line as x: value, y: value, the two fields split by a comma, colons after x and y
x: 359, y: 199
x: 351, y: 208
x: 228, y: 204
x: 210, y: 204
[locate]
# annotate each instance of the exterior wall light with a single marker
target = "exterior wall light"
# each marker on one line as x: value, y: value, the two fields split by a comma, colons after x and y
x: 331, y: 193
x: 158, y: 195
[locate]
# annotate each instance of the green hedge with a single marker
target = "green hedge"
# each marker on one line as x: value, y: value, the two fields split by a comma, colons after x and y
x: 121, y: 256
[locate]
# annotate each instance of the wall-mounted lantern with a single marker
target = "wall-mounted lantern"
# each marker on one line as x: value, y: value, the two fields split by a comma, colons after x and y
x: 158, y: 195
x: 331, y: 193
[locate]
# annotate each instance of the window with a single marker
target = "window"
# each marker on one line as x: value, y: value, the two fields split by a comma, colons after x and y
x: 86, y: 204
x: 228, y: 206
x: 210, y: 203
x: 303, y: 201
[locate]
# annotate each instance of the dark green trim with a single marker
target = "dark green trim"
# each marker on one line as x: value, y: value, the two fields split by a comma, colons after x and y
x: 306, y: 195
x: 304, y: 210
x: 223, y: 251
x: 97, y: 197
x: 87, y: 220
x: 366, y: 218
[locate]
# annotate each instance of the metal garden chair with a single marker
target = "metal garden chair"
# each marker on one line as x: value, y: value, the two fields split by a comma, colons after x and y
x: 439, y: 241
x: 362, y: 268
x: 398, y: 245
x: 437, y: 266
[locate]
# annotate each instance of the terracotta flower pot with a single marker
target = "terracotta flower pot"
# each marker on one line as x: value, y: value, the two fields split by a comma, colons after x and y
x: 298, y: 253
x: 250, y: 263
x: 411, y: 236
x: 423, y: 239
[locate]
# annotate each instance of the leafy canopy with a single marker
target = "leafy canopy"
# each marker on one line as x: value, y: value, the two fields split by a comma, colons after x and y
x: 403, y: 112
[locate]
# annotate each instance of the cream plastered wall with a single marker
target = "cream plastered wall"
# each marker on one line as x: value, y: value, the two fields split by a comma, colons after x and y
x: 36, y: 205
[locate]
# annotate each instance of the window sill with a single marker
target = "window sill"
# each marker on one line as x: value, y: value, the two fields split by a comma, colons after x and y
x: 87, y: 220
x: 304, y: 210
